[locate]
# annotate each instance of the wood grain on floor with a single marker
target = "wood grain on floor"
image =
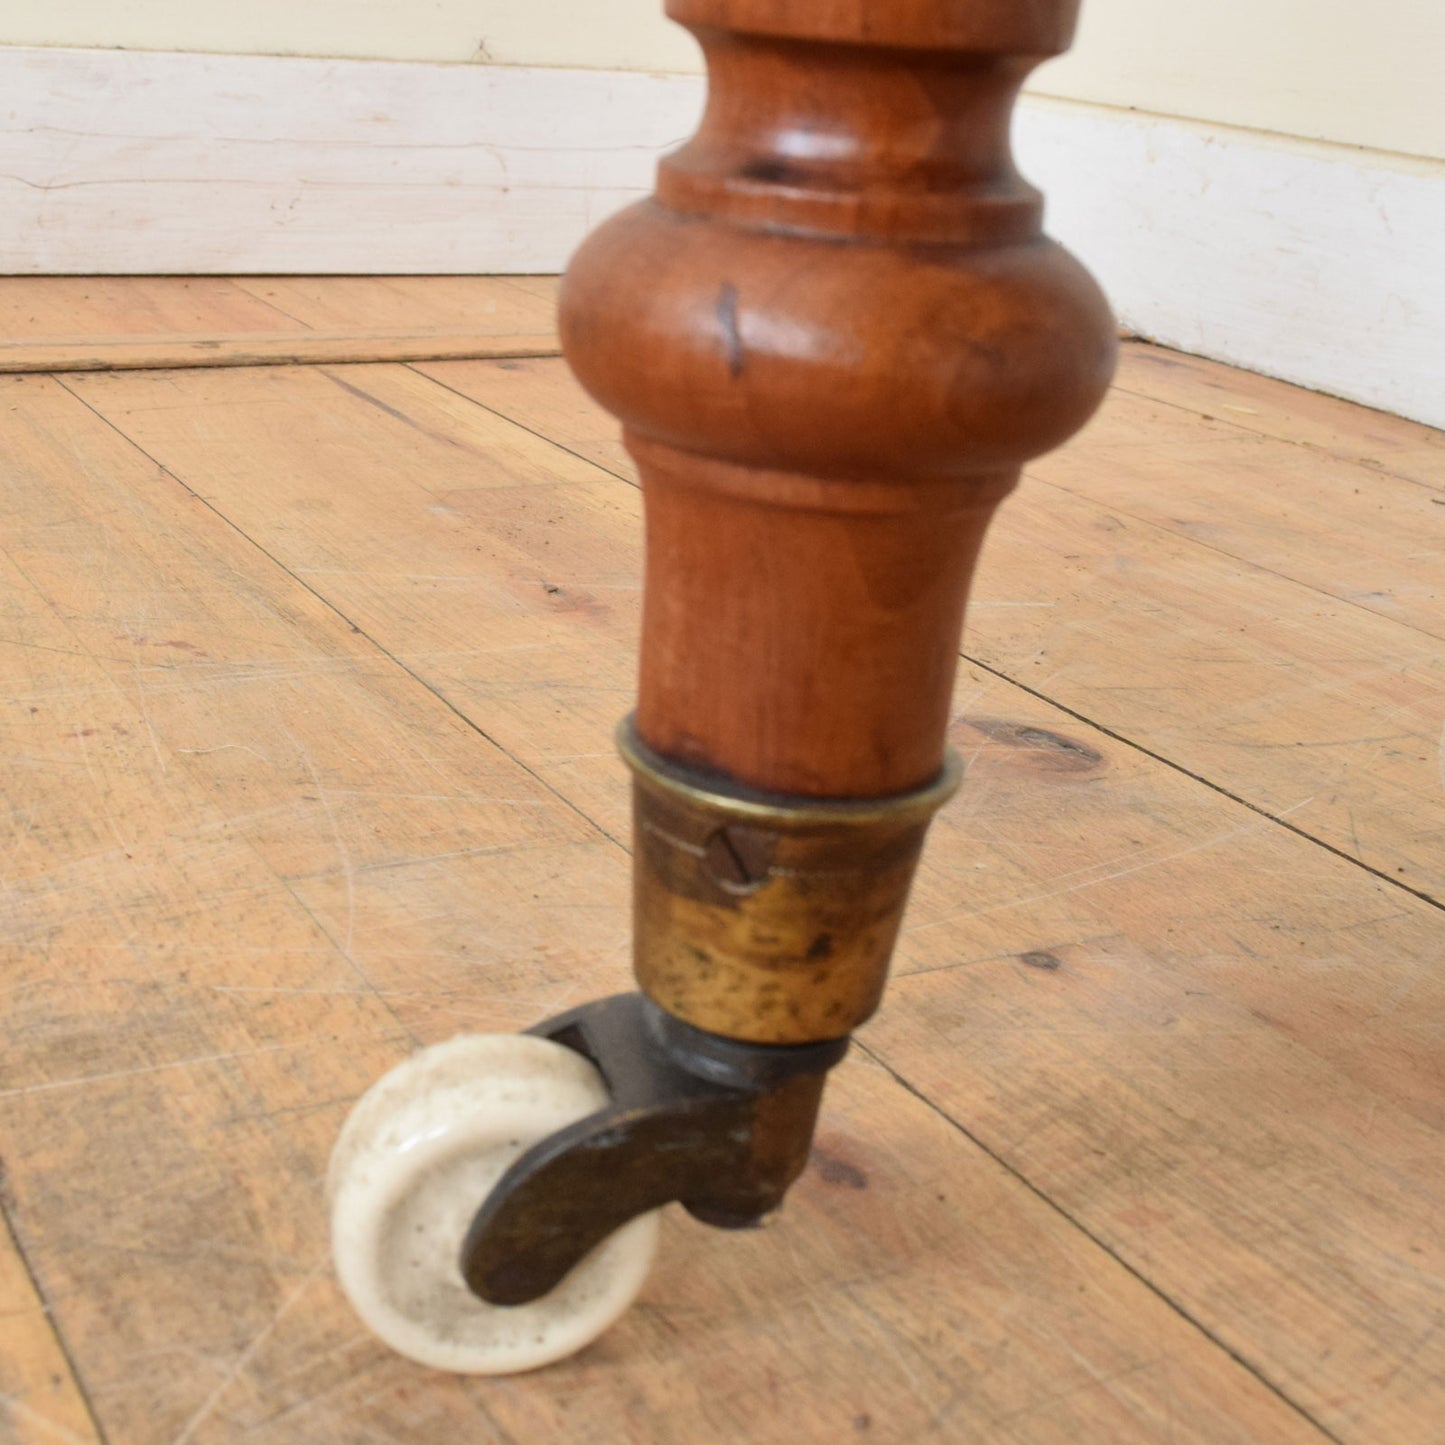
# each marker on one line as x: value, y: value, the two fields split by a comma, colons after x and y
x: 310, y: 678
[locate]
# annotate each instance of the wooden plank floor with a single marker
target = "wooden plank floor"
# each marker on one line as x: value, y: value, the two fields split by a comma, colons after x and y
x: 108, y: 323
x: 310, y: 672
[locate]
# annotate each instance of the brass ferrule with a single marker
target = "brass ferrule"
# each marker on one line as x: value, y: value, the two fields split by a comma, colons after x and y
x: 763, y: 918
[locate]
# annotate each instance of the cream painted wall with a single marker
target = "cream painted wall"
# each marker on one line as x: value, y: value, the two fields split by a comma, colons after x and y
x: 596, y: 34
x: 1364, y: 74
x: 1361, y: 72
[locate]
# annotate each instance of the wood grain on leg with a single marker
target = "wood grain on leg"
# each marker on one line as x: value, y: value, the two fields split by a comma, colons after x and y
x: 832, y: 337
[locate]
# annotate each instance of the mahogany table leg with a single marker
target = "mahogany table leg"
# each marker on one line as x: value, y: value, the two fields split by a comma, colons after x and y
x: 833, y: 337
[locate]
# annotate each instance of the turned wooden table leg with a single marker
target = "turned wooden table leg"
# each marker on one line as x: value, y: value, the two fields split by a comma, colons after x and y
x: 833, y: 338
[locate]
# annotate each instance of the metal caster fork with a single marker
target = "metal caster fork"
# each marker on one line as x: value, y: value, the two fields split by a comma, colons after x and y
x: 721, y: 1127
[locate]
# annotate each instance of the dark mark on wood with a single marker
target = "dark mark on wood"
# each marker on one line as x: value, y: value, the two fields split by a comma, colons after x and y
x: 834, y: 1170
x: 1055, y: 752
x: 1038, y: 958
x: 727, y: 318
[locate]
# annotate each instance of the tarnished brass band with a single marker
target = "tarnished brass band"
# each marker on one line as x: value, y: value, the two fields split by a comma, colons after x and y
x: 769, y: 919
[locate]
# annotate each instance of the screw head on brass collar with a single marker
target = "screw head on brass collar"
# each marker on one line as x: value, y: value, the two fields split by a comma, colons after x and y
x: 769, y: 919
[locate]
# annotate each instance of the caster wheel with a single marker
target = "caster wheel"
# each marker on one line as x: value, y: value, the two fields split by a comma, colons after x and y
x: 414, y: 1161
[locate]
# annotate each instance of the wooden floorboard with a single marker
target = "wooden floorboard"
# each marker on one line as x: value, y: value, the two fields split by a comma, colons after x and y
x: 312, y: 672
x: 1334, y: 428
x: 1352, y: 533
x: 37, y: 309
x: 110, y: 323
x: 40, y: 1401
x: 1252, y: 496
x: 455, y: 304
x: 1239, y: 669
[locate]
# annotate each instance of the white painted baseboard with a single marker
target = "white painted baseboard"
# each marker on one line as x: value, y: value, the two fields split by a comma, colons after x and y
x: 1322, y: 265
x: 140, y: 162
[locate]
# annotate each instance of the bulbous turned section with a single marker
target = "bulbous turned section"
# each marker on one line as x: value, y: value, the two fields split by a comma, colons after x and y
x: 844, y: 360
x: 833, y: 337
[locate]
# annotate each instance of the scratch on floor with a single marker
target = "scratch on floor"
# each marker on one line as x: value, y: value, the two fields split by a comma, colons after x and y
x: 299, y: 1045
x: 246, y: 1355
x: 346, y: 865
x: 542, y: 800
x: 225, y: 748
x: 1254, y: 826
x: 492, y: 997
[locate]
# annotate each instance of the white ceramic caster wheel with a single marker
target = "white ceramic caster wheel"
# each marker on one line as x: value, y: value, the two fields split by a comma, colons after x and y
x: 418, y: 1154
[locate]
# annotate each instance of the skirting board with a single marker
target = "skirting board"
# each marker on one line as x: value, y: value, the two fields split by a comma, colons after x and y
x: 1317, y: 264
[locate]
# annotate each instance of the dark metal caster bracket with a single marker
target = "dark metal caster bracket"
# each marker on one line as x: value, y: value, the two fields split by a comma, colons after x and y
x: 722, y: 1127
